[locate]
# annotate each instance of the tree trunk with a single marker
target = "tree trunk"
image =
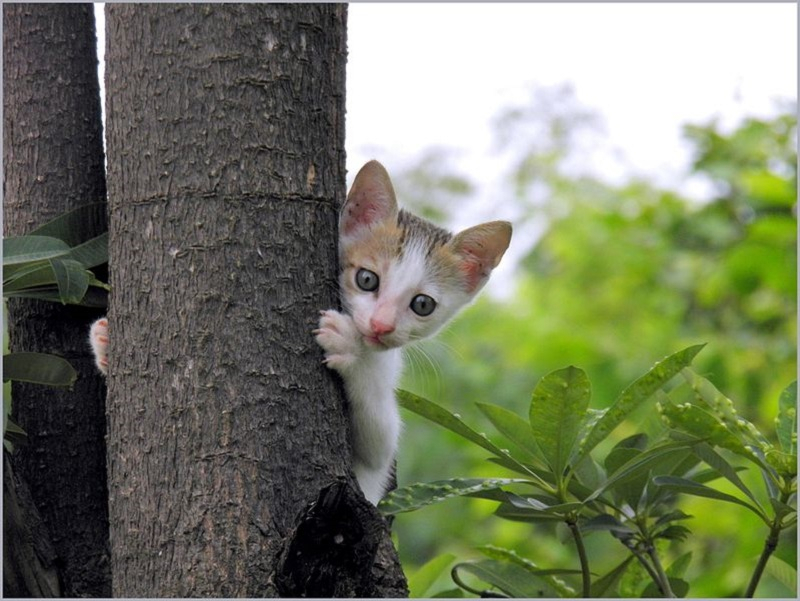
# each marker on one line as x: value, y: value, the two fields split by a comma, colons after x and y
x: 53, y: 161
x: 226, y: 171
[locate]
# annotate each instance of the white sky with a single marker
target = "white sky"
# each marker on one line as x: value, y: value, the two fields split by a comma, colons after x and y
x: 425, y: 75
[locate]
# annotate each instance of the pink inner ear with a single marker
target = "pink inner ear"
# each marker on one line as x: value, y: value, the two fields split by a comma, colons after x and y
x: 480, y: 249
x: 371, y: 199
x: 359, y: 213
x: 472, y: 268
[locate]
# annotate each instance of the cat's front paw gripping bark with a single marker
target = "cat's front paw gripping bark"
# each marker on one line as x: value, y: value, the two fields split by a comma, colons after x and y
x: 98, y: 338
x: 339, y: 338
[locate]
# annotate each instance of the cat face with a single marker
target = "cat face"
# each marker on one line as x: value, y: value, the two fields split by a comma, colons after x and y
x: 403, y: 278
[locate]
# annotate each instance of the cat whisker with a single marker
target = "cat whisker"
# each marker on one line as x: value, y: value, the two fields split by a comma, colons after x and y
x: 425, y: 366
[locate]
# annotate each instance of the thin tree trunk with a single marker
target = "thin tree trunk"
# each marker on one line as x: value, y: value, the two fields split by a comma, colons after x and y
x: 226, y: 171
x: 53, y: 161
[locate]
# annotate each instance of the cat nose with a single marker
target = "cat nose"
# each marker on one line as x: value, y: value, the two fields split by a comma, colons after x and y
x: 379, y: 328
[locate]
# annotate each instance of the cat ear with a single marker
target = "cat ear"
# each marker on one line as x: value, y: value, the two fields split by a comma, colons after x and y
x: 371, y: 199
x: 480, y: 249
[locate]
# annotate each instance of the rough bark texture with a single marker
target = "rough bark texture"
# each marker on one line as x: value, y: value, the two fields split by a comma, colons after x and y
x: 29, y: 560
x: 226, y: 171
x: 53, y: 161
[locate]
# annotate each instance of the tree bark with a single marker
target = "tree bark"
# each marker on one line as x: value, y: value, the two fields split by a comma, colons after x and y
x: 29, y: 560
x: 226, y: 172
x: 53, y: 161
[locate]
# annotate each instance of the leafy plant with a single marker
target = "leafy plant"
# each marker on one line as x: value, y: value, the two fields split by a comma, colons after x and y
x: 630, y: 493
x: 53, y: 263
x: 711, y: 419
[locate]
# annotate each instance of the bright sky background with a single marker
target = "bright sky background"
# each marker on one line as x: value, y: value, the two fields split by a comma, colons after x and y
x: 434, y: 75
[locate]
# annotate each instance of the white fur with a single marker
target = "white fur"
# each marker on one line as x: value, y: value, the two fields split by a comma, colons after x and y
x: 370, y: 377
x: 400, y: 281
x: 371, y: 371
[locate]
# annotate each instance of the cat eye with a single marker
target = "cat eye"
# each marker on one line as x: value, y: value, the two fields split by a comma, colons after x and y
x: 423, y: 305
x: 367, y: 280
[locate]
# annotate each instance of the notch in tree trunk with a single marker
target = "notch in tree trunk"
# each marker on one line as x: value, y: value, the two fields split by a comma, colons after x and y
x: 333, y: 550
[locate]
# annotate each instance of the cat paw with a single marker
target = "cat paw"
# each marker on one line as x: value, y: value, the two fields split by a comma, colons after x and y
x: 98, y: 338
x: 339, y: 338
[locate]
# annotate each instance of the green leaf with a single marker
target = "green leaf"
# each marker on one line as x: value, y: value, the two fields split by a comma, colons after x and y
x: 575, y: 486
x: 639, y: 467
x: 672, y: 516
x: 28, y: 275
x: 421, y: 581
x: 94, y: 297
x: 784, y: 464
x: 725, y: 469
x: 546, y: 506
x: 722, y: 408
x: 415, y: 496
x: 678, y: 567
x: 679, y: 587
x: 38, y: 368
x: 510, y: 578
x: 589, y: 474
x: 607, y: 585
x: 14, y: 434
x: 627, y: 491
x: 513, y: 427
x: 674, y: 532
x: 637, y: 441
x: 781, y: 509
x: 72, y: 280
x: 605, y: 522
x: 635, y: 394
x: 690, y: 487
x: 439, y: 415
x: 619, y: 457
x: 786, y: 422
x: 510, y: 511
x: 76, y: 226
x: 705, y: 426
x: 783, y: 572
x: 563, y: 589
x: 558, y: 406
x: 91, y: 253
x: 25, y: 249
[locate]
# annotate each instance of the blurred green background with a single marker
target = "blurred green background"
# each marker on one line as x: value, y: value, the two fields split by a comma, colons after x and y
x: 611, y: 278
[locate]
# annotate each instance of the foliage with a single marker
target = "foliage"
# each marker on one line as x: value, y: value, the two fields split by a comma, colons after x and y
x: 52, y: 263
x: 630, y: 493
x: 608, y: 275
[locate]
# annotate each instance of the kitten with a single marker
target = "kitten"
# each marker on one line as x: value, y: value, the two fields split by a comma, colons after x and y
x: 402, y: 279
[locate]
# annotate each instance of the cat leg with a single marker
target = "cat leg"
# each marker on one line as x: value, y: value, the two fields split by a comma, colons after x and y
x: 369, y: 378
x: 98, y: 339
x: 373, y: 482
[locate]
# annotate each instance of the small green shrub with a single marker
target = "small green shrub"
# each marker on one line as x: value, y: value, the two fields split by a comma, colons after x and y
x: 571, y: 474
